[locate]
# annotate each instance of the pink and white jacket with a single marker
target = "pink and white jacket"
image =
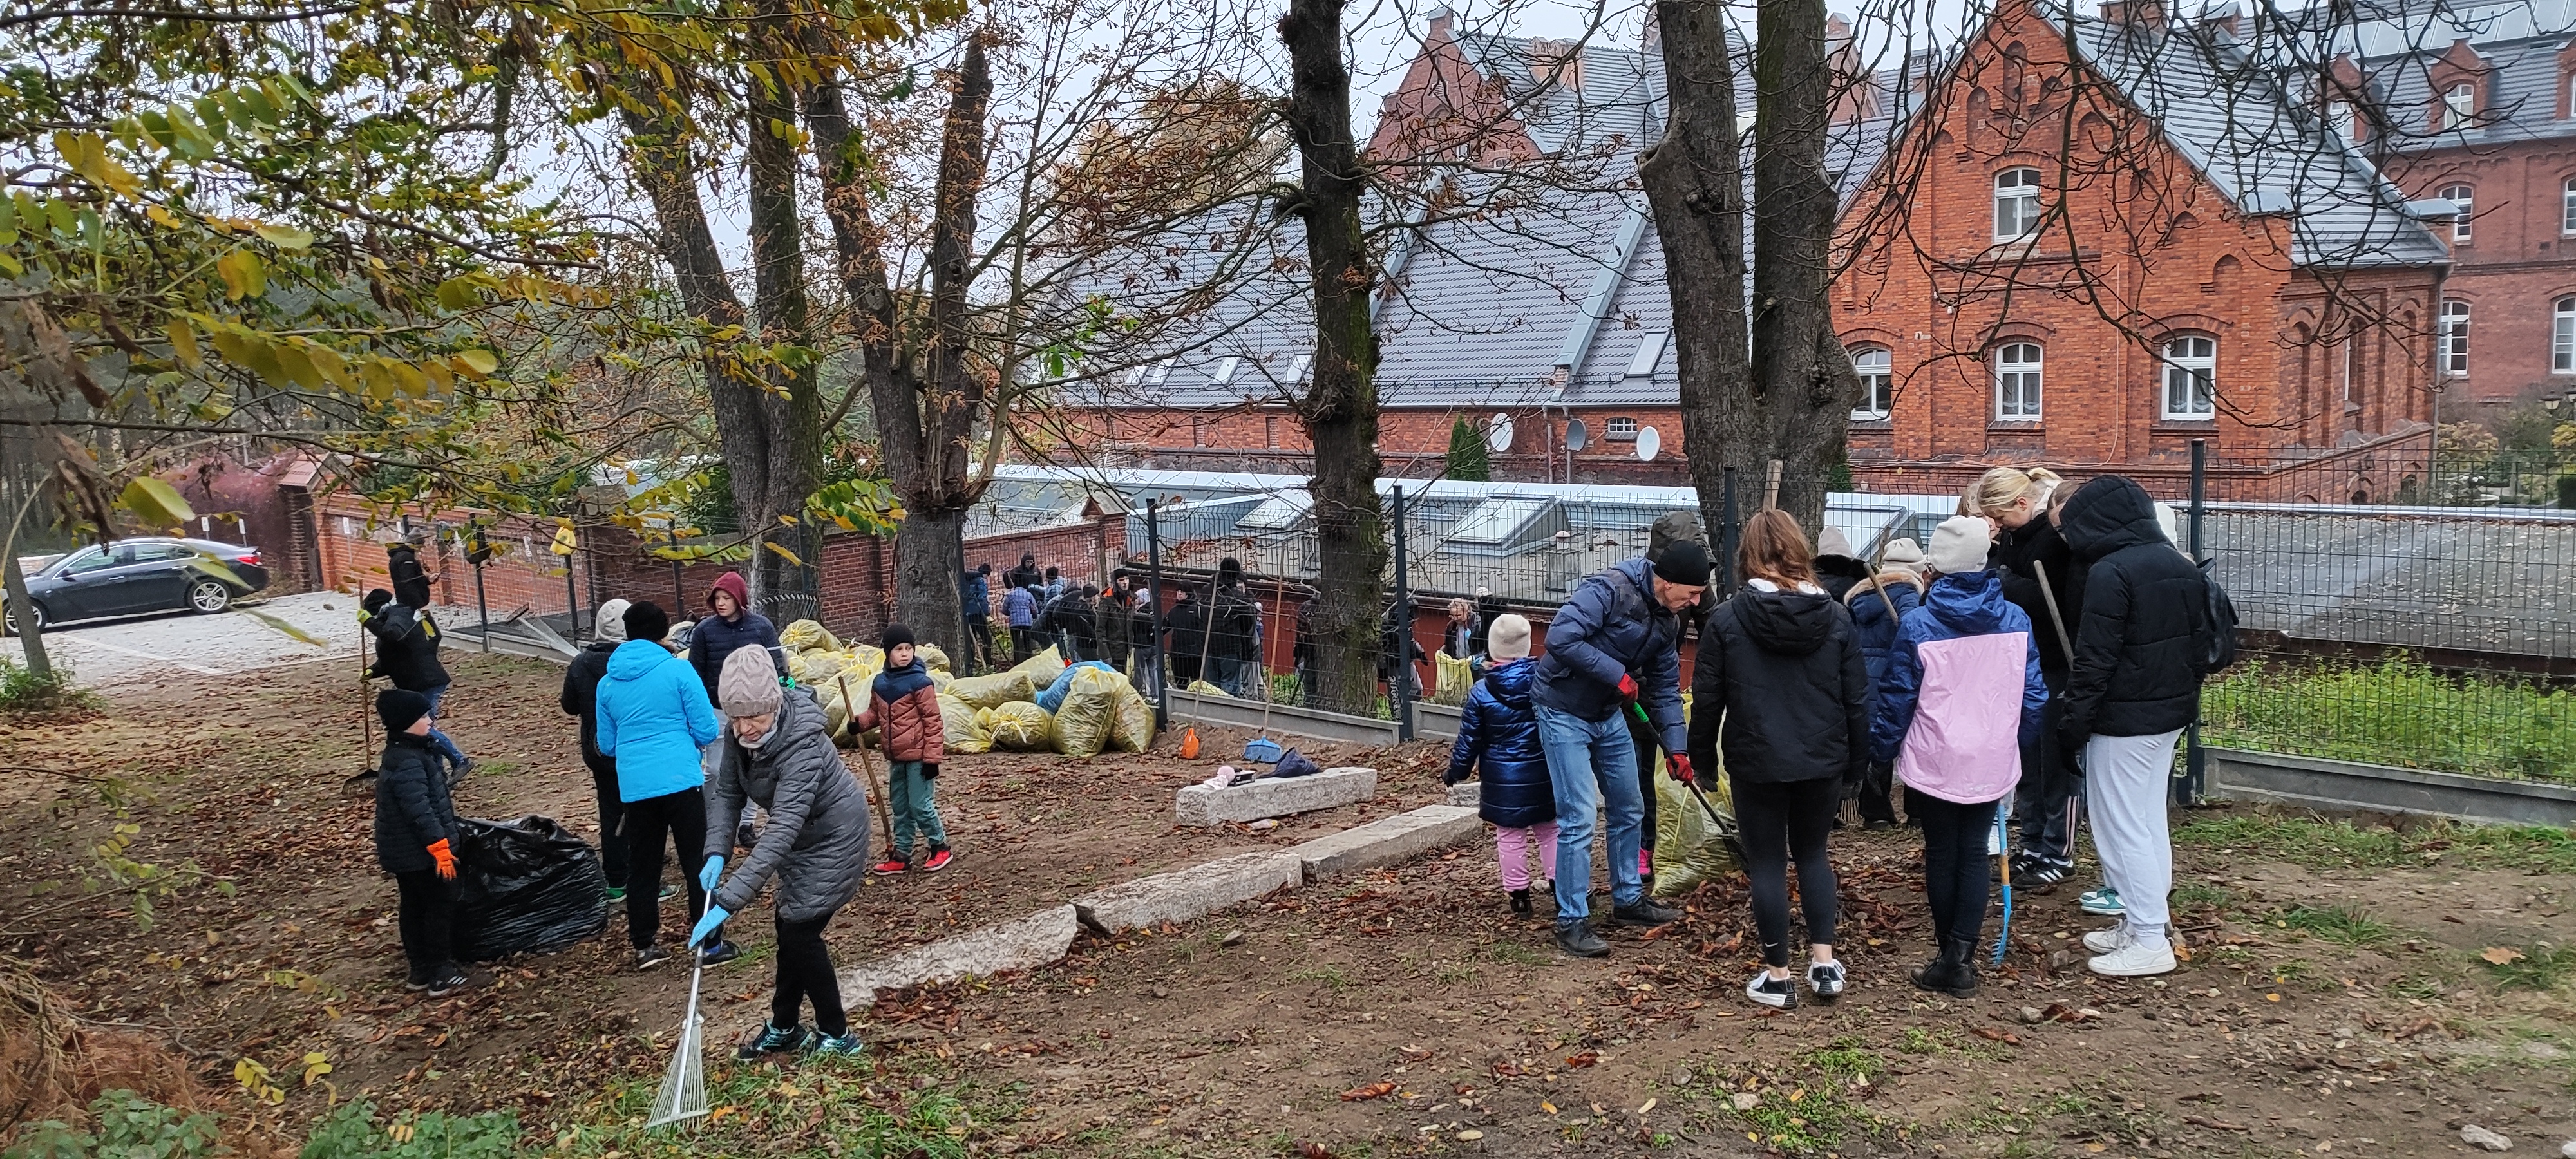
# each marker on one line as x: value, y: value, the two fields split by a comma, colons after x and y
x: 1962, y: 692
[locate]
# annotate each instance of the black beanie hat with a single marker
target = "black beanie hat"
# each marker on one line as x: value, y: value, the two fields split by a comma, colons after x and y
x: 1685, y: 562
x: 645, y: 620
x: 375, y: 600
x: 895, y: 634
x: 398, y: 708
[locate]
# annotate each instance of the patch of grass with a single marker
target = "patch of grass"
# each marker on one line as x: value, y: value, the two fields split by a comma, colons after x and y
x: 2292, y: 972
x: 2419, y: 987
x: 2343, y: 925
x: 1918, y: 1041
x: 839, y: 1107
x: 1847, y: 1058
x: 2341, y: 845
x: 1331, y: 976
x: 1514, y: 954
x: 1453, y: 973
x: 2196, y: 893
x: 2542, y: 968
x: 2397, y: 712
x: 1796, y: 1119
x: 23, y: 693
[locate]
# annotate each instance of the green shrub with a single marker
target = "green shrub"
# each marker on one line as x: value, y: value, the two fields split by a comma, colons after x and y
x: 352, y: 1132
x: 2397, y: 712
x: 22, y: 691
x: 129, y: 1126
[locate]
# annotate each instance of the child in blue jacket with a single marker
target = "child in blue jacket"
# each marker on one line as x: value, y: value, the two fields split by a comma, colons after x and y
x: 1877, y: 605
x: 1498, y: 731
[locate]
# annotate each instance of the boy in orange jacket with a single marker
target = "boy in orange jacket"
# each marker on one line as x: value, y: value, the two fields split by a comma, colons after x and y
x: 905, y: 703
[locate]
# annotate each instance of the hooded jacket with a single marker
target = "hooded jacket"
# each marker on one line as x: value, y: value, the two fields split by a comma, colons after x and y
x: 1781, y: 672
x: 2019, y: 556
x: 1612, y: 627
x: 1837, y: 573
x: 1027, y: 575
x: 1238, y: 618
x: 1110, y: 626
x: 406, y: 648
x: 409, y: 580
x: 974, y: 595
x: 1871, y: 618
x: 1963, y: 692
x: 2132, y: 673
x: 653, y: 717
x: 905, y: 702
x: 1188, y: 625
x: 1498, y: 736
x: 717, y: 637
x: 816, y: 839
x: 581, y: 691
x: 413, y: 810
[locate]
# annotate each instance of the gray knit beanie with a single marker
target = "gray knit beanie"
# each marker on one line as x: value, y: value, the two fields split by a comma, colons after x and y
x: 749, y: 684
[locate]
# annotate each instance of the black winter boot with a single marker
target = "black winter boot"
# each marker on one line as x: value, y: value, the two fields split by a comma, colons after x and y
x: 1952, y: 973
x: 1521, y: 902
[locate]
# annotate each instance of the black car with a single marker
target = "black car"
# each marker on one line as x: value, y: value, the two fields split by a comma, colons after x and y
x: 133, y: 576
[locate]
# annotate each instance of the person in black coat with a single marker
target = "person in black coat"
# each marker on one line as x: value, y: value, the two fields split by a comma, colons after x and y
x: 1027, y: 575
x: 1187, y: 626
x: 416, y: 841
x: 1236, y: 630
x: 407, y: 654
x: 2131, y: 689
x: 1074, y: 620
x: 1780, y: 664
x: 1306, y: 649
x: 580, y: 700
x: 2048, y: 804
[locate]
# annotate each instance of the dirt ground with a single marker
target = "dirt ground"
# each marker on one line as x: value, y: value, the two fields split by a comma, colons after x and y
x: 1403, y: 1011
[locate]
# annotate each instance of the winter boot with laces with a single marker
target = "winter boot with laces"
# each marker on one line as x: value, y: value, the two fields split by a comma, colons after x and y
x: 774, y: 1039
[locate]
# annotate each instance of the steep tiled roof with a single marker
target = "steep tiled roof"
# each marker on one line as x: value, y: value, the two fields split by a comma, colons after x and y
x: 2519, y: 44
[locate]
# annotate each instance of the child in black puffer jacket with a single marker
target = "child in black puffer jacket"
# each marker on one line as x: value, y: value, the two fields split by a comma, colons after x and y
x: 416, y: 840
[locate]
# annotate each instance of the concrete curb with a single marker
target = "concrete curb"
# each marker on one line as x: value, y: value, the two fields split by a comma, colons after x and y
x: 1184, y: 894
x: 1204, y: 804
x: 1035, y: 940
x: 1387, y: 840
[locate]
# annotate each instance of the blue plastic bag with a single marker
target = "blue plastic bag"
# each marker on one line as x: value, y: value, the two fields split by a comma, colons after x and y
x: 1051, y: 698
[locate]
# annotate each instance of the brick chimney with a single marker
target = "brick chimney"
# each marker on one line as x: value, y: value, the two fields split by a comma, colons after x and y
x: 2134, y: 13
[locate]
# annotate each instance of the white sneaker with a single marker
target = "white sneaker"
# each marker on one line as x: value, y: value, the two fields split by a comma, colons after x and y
x: 2135, y: 960
x: 2107, y: 941
x: 1777, y: 993
x: 1826, y: 979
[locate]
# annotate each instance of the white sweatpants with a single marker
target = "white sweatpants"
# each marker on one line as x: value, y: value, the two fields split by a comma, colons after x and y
x: 2127, y: 784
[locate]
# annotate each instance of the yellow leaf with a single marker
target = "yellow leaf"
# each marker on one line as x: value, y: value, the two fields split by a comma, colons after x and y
x: 785, y: 554
x: 477, y: 362
x: 299, y: 366
x: 244, y: 275
x: 156, y: 503
x: 285, y: 237
x: 2501, y: 955
x: 86, y: 154
x: 789, y: 520
x: 183, y: 344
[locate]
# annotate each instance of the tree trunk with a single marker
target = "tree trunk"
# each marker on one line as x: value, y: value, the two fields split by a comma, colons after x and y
x: 926, y: 399
x: 774, y: 446
x: 1340, y: 408
x: 31, y: 638
x: 1694, y: 180
x: 1802, y: 382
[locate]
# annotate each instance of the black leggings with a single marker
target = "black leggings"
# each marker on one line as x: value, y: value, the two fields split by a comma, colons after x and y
x: 612, y: 814
x: 683, y: 817
x: 1780, y: 822
x: 1954, y: 865
x: 426, y: 901
x: 805, y: 971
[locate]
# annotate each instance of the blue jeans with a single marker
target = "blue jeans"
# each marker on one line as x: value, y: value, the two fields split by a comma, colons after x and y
x: 1593, y: 766
x: 438, y: 740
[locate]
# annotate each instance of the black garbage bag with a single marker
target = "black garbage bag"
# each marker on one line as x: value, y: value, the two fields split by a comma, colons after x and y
x: 525, y: 887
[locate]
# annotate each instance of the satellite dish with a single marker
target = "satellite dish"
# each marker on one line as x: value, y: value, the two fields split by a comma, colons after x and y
x: 1498, y: 433
x: 1648, y: 444
x: 1576, y: 436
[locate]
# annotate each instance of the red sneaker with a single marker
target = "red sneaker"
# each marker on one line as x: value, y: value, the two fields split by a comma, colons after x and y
x: 939, y: 859
x: 892, y: 866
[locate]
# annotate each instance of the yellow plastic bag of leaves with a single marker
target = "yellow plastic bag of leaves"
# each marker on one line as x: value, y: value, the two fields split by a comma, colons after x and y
x: 1090, y: 709
x: 989, y: 691
x: 1457, y: 679
x: 836, y: 711
x: 1131, y: 724
x: 961, y: 729
x: 1204, y: 688
x: 815, y: 666
x: 807, y: 636
x: 932, y: 657
x: 1020, y: 726
x: 1042, y: 668
x: 1688, y: 848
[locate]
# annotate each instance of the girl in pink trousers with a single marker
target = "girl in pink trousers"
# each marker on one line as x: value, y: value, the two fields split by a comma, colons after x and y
x: 1498, y: 734
x: 1962, y: 695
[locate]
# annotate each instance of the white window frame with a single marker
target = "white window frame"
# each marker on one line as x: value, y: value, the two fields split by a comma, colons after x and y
x: 1620, y: 428
x: 2017, y: 188
x: 2465, y: 197
x: 2459, y: 106
x: 2562, y: 336
x: 2567, y: 206
x: 2187, y: 390
x: 2454, y: 358
x: 2019, y: 380
x: 1875, y: 365
x: 2341, y: 118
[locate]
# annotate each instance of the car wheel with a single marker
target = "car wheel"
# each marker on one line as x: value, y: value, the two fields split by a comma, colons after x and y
x: 209, y: 595
x: 11, y: 620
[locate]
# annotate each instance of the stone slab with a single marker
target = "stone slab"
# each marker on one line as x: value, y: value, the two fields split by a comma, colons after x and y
x: 1035, y: 940
x: 1467, y: 794
x: 1184, y: 894
x: 1274, y: 796
x: 1388, y: 840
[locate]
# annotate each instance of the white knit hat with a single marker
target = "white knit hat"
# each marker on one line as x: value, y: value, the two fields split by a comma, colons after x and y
x: 610, y: 621
x: 748, y: 686
x: 1508, y: 638
x: 1902, y: 554
x: 1959, y: 545
x: 1832, y: 541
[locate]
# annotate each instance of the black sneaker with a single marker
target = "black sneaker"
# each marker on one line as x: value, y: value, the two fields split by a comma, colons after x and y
x: 448, y: 981
x: 651, y: 956
x: 774, y: 1040
x: 1776, y: 993
x: 418, y: 980
x: 1643, y: 912
x: 720, y: 953
x: 1577, y: 938
x: 1825, y: 979
x: 1521, y: 902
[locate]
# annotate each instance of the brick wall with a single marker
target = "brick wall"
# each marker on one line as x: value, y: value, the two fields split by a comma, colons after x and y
x: 2516, y: 263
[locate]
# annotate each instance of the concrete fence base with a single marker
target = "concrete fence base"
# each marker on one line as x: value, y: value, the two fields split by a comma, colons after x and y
x: 2320, y: 783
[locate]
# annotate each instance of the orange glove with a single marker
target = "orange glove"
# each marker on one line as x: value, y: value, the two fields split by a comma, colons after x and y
x: 446, y: 859
x: 1679, y: 766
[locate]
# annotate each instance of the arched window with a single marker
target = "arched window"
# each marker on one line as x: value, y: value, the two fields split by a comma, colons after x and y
x: 2454, y: 355
x: 2017, y: 204
x: 2017, y: 382
x: 2461, y: 196
x: 2562, y: 337
x: 1877, y: 392
x: 2190, y: 378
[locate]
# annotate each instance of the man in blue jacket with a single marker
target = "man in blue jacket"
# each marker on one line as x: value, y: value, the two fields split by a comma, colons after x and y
x: 975, y: 600
x: 654, y: 717
x: 1615, y: 643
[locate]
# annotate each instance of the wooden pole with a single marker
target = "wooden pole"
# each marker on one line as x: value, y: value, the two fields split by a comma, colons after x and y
x: 876, y: 787
x: 1771, y: 488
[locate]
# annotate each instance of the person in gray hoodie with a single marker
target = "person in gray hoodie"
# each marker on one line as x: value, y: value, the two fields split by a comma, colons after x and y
x: 776, y: 754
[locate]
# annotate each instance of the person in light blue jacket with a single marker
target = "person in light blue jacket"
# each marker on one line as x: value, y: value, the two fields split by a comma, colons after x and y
x: 653, y: 718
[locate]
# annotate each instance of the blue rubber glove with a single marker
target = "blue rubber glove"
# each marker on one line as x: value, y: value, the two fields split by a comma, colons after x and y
x: 711, y: 873
x: 716, y: 916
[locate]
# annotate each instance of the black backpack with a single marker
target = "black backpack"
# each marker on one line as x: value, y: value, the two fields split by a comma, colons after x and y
x: 2213, y: 628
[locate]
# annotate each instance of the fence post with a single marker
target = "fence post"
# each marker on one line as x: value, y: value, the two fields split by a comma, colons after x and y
x: 1400, y: 690
x: 679, y: 596
x: 1726, y: 535
x: 479, y: 554
x: 1154, y: 607
x: 2195, y: 764
x: 572, y: 601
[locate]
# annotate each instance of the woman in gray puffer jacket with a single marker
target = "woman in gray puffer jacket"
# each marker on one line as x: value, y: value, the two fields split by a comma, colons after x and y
x: 776, y: 754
